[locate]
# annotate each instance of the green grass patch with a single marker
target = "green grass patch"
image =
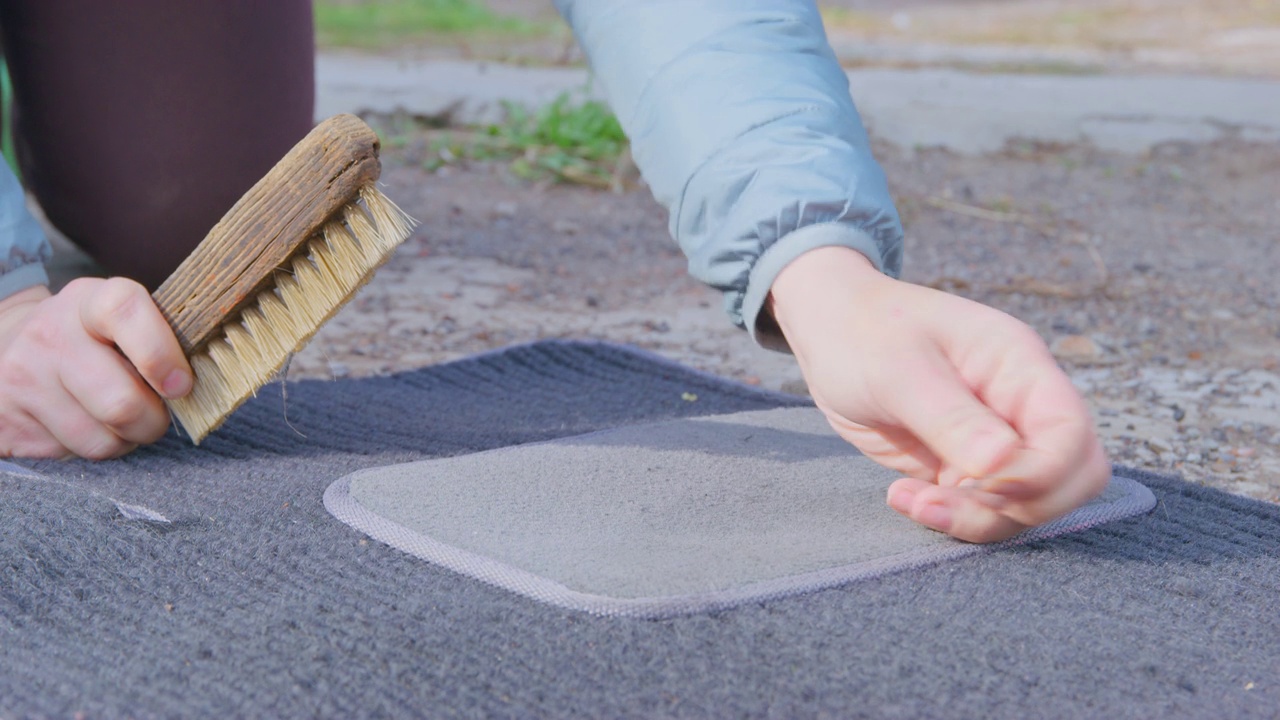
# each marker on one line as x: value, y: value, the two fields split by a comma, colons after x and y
x: 568, y: 141
x: 854, y: 21
x: 381, y: 23
x: 6, y: 118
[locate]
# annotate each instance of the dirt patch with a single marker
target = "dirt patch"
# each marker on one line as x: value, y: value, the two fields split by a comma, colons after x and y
x: 1153, y: 278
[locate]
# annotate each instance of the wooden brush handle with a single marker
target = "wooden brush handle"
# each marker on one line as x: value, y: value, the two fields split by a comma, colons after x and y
x: 267, y: 226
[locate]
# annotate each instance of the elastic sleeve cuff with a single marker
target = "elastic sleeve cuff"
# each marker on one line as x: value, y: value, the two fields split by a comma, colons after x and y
x: 762, y: 327
x: 21, y: 278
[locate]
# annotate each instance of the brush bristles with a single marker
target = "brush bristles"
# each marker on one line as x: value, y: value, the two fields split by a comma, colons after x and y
x: 253, y: 347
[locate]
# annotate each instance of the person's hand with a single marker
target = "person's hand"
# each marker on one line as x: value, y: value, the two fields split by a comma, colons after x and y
x: 963, y: 400
x: 80, y: 370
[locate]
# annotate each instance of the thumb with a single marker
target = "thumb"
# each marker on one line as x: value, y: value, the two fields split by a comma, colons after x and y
x: 940, y: 409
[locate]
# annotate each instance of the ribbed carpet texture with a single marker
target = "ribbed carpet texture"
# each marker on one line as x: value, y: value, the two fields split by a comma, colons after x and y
x: 211, y: 582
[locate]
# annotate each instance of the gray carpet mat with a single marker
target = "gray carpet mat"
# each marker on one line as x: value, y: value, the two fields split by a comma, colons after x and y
x: 211, y: 582
x: 668, y: 518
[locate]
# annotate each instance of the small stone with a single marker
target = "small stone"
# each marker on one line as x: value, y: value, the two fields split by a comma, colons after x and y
x: 658, y: 326
x: 506, y: 209
x: 795, y: 387
x: 1075, y: 347
x: 1194, y: 457
x: 566, y: 227
x: 339, y: 370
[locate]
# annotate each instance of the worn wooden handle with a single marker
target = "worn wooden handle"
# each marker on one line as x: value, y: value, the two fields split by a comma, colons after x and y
x: 267, y: 226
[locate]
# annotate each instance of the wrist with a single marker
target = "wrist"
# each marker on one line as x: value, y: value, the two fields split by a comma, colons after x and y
x: 815, y: 283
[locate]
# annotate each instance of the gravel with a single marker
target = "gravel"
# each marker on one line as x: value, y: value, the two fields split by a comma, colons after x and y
x: 1152, y: 277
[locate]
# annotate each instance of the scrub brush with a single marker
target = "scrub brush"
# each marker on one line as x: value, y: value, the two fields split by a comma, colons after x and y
x: 279, y: 264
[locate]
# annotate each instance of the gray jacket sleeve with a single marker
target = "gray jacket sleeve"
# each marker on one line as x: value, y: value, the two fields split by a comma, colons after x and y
x: 23, y: 247
x: 741, y: 122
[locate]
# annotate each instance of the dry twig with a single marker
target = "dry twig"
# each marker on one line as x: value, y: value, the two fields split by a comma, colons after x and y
x: 1029, y: 286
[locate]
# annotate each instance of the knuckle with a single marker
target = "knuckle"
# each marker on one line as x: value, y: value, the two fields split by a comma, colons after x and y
x: 962, y: 420
x: 151, y: 362
x: 154, y: 366
x: 38, y: 448
x: 21, y: 437
x: 88, y: 438
x: 103, y: 451
x: 152, y: 432
x: 123, y: 410
x: 80, y: 286
x: 121, y: 299
x: 1019, y: 339
x: 17, y: 374
x: 1023, y: 333
x: 104, y: 447
x: 44, y: 335
x: 43, y: 331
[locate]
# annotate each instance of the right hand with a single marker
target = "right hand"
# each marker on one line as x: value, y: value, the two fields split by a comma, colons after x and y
x: 82, y: 372
x: 965, y: 401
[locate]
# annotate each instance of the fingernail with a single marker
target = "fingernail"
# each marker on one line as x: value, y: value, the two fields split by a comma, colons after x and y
x: 936, y: 516
x: 901, y: 500
x: 177, y: 384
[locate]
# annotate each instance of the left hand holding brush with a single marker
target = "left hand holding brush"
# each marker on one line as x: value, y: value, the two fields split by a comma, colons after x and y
x: 962, y: 399
x: 82, y: 371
